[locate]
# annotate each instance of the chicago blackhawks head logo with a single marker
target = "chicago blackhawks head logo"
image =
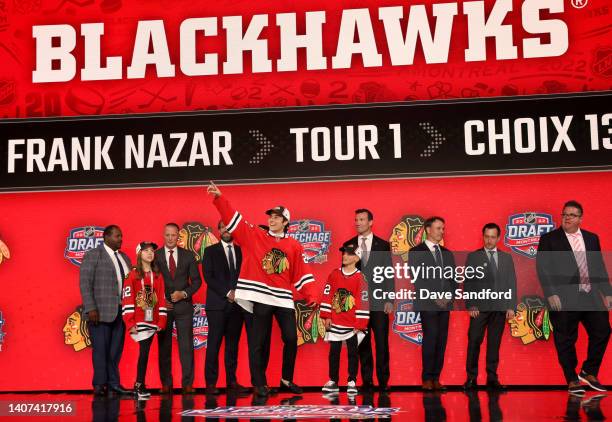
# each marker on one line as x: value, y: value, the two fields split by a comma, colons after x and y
x: 275, y: 262
x: 531, y: 321
x: 309, y: 326
x: 343, y: 301
x: 75, y: 331
x: 196, y: 237
x: 406, y: 234
x: 147, y: 298
x: 4, y: 252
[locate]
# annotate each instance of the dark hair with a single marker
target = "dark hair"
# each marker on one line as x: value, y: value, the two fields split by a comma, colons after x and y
x: 432, y: 220
x: 574, y: 204
x: 83, y: 325
x: 219, y: 224
x: 171, y: 224
x: 108, y: 230
x: 140, y: 271
x: 367, y: 211
x: 491, y: 226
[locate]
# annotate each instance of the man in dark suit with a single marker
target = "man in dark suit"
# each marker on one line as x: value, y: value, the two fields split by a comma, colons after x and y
x: 181, y: 281
x: 488, y: 315
x: 375, y: 252
x: 221, y: 266
x: 575, y: 282
x: 102, y: 273
x: 433, y: 260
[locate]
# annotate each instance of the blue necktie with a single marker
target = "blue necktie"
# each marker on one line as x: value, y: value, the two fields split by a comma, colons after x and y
x: 438, y: 255
x: 121, y: 270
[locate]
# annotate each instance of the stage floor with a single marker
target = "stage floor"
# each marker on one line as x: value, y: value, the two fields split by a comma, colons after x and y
x: 455, y: 405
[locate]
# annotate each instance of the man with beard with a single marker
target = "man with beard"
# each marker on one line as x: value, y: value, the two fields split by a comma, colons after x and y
x: 221, y: 267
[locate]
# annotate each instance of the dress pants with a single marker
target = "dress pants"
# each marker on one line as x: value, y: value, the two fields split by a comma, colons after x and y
x: 435, y: 334
x: 379, y: 326
x: 334, y: 358
x: 107, y: 343
x: 251, y: 338
x: 182, y: 316
x: 223, y: 324
x: 565, y: 333
x: 262, y: 326
x: 493, y: 322
x: 143, y: 359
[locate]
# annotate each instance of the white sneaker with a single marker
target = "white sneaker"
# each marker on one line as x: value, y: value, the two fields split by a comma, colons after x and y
x: 351, y: 388
x: 330, y: 387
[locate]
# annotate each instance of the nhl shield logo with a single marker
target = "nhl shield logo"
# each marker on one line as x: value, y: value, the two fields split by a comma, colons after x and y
x: 80, y: 240
x: 200, y: 326
x: 313, y: 237
x: 523, y: 232
x: 602, y: 62
x: 407, y: 323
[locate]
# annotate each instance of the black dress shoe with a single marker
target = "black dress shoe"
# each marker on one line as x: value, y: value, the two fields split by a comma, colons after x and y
x: 470, y: 384
x: 261, y: 391
x: 236, y: 388
x: 290, y: 386
x: 495, y: 385
x: 99, y: 390
x: 384, y: 388
x: 119, y: 389
x: 367, y: 386
x: 212, y: 390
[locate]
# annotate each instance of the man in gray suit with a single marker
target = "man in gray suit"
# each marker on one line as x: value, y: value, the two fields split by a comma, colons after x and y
x: 101, y: 280
x: 181, y: 281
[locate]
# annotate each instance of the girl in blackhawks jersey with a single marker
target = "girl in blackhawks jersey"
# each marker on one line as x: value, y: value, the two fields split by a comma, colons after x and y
x: 345, y: 318
x: 272, y: 268
x: 144, y: 308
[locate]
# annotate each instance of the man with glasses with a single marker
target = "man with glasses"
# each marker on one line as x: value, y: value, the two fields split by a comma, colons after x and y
x: 576, y: 284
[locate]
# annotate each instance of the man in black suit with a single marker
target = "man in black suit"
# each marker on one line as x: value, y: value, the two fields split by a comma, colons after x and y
x: 489, y: 315
x: 181, y: 281
x: 375, y: 252
x: 575, y: 282
x: 433, y: 259
x: 221, y: 267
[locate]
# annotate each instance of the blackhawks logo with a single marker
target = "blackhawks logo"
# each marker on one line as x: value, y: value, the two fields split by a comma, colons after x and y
x: 309, y: 326
x: 147, y: 298
x: 531, y: 320
x: 343, y: 301
x: 275, y: 262
x: 196, y: 237
x: 406, y: 234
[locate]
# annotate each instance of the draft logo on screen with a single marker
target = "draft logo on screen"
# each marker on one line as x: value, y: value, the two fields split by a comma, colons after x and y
x: 80, y: 240
x: 407, y: 323
x: 313, y: 237
x: 523, y: 232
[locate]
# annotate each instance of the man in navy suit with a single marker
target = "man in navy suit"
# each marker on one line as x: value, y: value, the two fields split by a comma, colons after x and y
x: 575, y: 282
x: 435, y: 313
x: 221, y: 267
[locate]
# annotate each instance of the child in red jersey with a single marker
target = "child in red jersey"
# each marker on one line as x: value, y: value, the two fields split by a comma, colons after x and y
x: 345, y: 318
x: 144, y: 308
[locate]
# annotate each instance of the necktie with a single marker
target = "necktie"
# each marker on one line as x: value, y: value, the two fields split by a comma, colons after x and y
x: 121, y: 269
x: 232, y: 263
x: 364, y: 252
x: 172, y: 264
x: 580, y: 255
x: 493, y: 263
x: 438, y: 255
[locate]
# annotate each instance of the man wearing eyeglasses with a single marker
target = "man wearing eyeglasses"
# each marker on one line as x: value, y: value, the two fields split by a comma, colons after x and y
x: 576, y: 284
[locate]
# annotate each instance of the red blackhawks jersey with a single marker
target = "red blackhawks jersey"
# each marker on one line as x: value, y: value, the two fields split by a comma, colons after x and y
x: 139, y: 294
x: 271, y: 266
x: 342, y: 303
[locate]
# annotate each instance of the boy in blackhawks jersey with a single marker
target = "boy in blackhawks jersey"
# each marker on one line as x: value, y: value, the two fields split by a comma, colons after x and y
x: 345, y: 318
x: 272, y: 266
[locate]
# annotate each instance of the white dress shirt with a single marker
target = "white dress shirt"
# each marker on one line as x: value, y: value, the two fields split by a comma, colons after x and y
x: 225, y: 245
x: 495, y: 258
x: 121, y: 262
x: 368, y: 241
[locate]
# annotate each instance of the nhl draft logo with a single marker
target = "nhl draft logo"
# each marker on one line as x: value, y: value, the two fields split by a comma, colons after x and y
x: 200, y: 326
x: 313, y: 237
x: 2, y: 333
x: 523, y: 232
x: 407, y: 323
x: 80, y: 240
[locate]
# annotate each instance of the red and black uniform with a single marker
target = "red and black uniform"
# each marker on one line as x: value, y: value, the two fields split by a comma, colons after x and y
x: 349, y: 318
x: 138, y: 294
x: 272, y: 266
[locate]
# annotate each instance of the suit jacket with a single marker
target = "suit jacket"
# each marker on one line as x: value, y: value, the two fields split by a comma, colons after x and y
x: 500, y: 280
x: 98, y: 283
x: 558, y: 270
x: 381, y: 258
x: 217, y: 275
x: 186, y: 277
x: 421, y: 256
